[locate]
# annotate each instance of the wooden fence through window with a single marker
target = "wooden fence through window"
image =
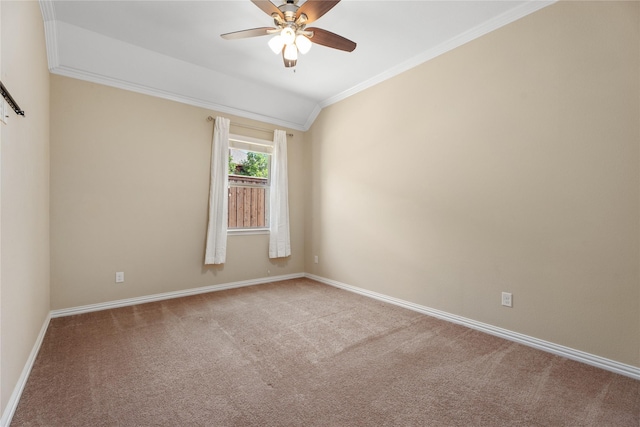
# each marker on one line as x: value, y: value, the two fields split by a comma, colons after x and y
x: 247, y: 205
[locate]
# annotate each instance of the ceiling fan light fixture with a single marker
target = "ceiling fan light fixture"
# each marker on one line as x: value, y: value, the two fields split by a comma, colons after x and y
x: 290, y: 32
x: 303, y: 44
x: 276, y: 44
x: 288, y: 35
x: 291, y: 52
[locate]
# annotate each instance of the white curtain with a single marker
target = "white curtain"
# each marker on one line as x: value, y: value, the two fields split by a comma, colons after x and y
x: 216, y: 250
x: 279, y: 242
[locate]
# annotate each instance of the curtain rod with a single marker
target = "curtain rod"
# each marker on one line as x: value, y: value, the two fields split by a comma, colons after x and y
x: 12, y: 103
x: 210, y: 119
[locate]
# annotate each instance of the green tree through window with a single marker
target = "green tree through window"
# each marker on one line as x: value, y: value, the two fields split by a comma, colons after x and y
x: 256, y: 164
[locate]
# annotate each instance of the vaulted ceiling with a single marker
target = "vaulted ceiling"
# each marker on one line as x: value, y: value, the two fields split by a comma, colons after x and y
x: 173, y: 49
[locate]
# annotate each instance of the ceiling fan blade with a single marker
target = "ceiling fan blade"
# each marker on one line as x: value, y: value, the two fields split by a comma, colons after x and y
x: 267, y: 7
x: 314, y: 9
x: 329, y: 39
x: 254, y: 32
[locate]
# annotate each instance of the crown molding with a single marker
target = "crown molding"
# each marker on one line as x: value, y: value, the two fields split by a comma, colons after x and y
x: 47, y: 10
x: 312, y: 117
x: 465, y: 37
x: 158, y: 93
x: 57, y: 67
x: 51, y: 41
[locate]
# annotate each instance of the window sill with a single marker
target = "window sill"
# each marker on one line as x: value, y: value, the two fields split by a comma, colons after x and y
x: 246, y: 231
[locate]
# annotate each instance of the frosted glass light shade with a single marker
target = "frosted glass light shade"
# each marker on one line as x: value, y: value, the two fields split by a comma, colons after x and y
x: 303, y: 43
x: 288, y: 35
x: 291, y: 52
x: 276, y: 44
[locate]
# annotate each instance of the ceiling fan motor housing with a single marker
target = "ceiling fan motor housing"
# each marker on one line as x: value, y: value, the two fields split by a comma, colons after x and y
x: 290, y: 20
x: 289, y: 11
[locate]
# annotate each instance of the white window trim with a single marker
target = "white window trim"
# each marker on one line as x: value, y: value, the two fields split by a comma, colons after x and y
x: 246, y: 231
x: 260, y: 145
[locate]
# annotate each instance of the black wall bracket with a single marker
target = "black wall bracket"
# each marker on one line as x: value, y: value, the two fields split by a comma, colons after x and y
x: 12, y: 103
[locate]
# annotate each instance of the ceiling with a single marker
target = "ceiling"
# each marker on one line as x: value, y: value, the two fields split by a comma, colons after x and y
x: 173, y: 49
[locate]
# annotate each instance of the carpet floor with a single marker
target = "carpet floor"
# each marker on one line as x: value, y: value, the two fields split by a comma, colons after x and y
x: 300, y: 353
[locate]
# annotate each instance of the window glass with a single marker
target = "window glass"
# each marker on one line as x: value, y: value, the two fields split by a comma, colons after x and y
x: 248, y: 188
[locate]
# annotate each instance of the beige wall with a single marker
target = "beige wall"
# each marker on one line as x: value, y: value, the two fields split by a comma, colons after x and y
x: 509, y: 164
x: 24, y: 226
x: 129, y: 192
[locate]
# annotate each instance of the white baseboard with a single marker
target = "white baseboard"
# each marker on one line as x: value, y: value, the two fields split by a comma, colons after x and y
x: 22, y: 381
x: 569, y: 353
x: 10, y: 409
x: 12, y: 404
x: 169, y: 295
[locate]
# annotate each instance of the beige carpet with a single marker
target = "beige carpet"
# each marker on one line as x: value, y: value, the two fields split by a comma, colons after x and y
x: 300, y: 353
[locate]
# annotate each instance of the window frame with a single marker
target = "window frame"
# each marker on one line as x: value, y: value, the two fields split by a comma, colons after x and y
x: 260, y: 146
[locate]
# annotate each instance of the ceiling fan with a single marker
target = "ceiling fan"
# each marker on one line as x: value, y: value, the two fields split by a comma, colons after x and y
x: 291, y: 33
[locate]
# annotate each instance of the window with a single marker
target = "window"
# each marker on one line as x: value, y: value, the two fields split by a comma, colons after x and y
x: 249, y: 167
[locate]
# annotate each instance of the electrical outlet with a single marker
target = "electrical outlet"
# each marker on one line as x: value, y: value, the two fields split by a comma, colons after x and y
x: 315, y: 259
x: 507, y: 299
x: 119, y: 276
